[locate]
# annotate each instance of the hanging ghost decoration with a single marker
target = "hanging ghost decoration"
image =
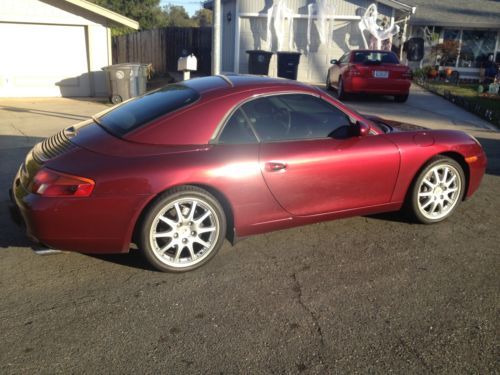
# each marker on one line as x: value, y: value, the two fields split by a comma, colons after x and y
x: 368, y: 22
x: 276, y: 19
x: 323, y: 11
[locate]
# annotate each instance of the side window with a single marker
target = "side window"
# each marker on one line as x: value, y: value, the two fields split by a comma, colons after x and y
x: 237, y: 131
x: 345, y: 59
x: 296, y: 116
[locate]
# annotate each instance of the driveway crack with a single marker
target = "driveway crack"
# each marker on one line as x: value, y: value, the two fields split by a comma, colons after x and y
x: 297, y: 288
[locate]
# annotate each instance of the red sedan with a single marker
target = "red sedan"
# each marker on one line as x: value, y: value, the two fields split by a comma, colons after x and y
x: 371, y: 72
x: 180, y: 169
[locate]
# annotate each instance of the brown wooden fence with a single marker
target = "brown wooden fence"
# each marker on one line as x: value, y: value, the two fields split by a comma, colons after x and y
x: 162, y: 47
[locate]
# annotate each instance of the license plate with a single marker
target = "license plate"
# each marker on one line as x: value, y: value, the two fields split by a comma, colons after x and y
x: 380, y: 74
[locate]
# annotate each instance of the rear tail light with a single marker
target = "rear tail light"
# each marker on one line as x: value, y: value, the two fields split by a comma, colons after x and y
x: 50, y: 183
x: 353, y: 71
x: 407, y: 75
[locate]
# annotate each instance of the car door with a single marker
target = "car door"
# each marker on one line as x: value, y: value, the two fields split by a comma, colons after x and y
x: 340, y: 68
x: 311, y: 161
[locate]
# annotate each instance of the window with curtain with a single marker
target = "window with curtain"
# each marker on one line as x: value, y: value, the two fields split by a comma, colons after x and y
x: 477, y: 46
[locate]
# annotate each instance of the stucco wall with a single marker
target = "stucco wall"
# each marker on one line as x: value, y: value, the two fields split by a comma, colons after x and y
x: 57, y: 12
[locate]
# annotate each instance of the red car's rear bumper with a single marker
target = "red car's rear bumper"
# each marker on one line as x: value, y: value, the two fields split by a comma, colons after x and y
x: 88, y: 225
x: 377, y: 86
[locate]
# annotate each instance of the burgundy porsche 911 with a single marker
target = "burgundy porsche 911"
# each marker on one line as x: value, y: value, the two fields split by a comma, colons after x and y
x: 180, y: 169
x: 370, y: 72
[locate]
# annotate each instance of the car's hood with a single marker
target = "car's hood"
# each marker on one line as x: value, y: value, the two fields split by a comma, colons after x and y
x: 396, y: 126
x: 91, y: 136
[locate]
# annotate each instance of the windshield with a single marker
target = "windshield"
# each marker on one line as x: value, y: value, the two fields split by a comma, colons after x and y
x: 139, y: 111
x: 375, y: 57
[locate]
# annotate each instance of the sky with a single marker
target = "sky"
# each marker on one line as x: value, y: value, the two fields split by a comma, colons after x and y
x: 190, y: 5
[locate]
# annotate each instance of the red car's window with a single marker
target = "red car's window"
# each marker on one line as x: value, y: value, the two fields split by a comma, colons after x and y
x: 237, y: 131
x: 375, y: 57
x: 295, y: 116
x: 136, y: 112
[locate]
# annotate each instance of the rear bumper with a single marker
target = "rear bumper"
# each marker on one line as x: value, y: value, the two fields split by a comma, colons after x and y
x: 87, y: 225
x: 377, y: 86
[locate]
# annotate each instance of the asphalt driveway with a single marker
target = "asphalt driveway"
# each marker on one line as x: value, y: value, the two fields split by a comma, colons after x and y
x: 366, y: 294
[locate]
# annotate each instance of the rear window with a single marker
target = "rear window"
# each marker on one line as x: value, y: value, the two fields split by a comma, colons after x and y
x: 137, y: 112
x: 374, y: 58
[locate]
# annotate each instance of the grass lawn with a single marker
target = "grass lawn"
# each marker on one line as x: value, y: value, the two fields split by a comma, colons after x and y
x: 468, y: 91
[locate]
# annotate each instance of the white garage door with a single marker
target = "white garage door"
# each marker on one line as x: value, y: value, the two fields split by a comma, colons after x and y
x: 43, y: 60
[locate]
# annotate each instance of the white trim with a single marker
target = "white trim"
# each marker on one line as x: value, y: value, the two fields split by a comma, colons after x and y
x: 110, y: 46
x: 237, y: 29
x: 497, y: 46
x: 106, y: 13
x: 303, y: 16
x: 459, y: 52
x: 394, y: 4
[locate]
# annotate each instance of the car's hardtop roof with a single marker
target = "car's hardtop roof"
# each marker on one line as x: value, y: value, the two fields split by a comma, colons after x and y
x: 240, y: 82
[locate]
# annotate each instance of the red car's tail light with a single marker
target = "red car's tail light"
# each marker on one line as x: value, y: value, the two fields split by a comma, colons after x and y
x: 407, y: 75
x: 50, y: 183
x: 353, y: 71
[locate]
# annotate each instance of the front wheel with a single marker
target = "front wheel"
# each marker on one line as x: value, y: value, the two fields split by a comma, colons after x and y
x: 182, y: 230
x: 341, y: 95
x: 437, y: 191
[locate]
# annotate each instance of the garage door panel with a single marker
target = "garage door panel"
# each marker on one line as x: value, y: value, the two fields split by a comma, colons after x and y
x: 43, y: 60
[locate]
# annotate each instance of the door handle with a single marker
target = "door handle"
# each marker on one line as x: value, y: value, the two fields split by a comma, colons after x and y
x: 275, y: 166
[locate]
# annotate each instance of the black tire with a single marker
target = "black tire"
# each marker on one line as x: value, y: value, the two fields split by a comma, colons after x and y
x: 341, y: 95
x: 401, y: 98
x: 328, y: 83
x: 195, y: 254
x: 416, y: 201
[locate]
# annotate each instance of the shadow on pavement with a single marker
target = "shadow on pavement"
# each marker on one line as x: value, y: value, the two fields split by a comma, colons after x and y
x: 133, y: 259
x: 69, y: 116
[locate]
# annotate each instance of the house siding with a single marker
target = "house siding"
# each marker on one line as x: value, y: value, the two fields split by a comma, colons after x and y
x: 344, y: 35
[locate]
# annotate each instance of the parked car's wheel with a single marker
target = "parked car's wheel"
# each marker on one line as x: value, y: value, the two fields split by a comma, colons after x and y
x: 328, y: 82
x: 341, y: 95
x: 437, y: 191
x: 401, y: 98
x: 116, y: 99
x: 183, y: 229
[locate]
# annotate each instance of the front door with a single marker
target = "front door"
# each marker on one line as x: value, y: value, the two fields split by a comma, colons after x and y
x: 312, y: 163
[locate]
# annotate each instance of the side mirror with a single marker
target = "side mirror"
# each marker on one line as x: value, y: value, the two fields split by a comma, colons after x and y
x: 362, y: 129
x: 334, y: 61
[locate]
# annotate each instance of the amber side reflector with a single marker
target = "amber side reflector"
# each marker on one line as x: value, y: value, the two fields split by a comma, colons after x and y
x: 471, y: 159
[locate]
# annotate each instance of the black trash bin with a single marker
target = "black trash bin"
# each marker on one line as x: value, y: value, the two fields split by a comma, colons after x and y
x: 126, y: 81
x: 288, y: 64
x: 258, y: 62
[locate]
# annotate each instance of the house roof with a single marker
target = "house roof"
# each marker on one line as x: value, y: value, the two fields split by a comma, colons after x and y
x: 106, y: 13
x: 463, y: 13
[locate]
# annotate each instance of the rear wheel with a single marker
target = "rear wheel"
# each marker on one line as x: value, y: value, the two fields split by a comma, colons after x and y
x: 401, y: 98
x: 437, y: 191
x: 182, y: 230
x: 328, y: 82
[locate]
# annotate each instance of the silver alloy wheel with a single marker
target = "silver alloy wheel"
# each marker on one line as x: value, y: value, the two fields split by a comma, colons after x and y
x: 439, y: 191
x: 184, y: 232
